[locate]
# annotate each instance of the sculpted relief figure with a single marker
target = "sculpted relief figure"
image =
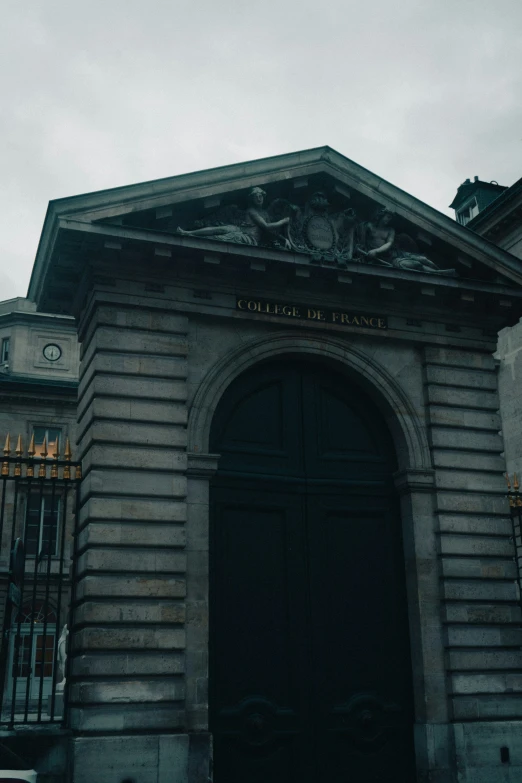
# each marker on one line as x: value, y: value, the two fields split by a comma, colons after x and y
x: 379, y: 244
x: 328, y: 235
x: 248, y: 227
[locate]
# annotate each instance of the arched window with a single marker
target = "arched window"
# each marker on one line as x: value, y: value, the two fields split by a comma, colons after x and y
x: 36, y: 613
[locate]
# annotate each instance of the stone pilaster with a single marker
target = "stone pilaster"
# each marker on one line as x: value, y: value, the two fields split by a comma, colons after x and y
x: 129, y: 636
x: 480, y: 606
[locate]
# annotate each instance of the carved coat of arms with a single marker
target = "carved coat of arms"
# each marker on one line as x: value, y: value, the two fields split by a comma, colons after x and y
x: 329, y: 236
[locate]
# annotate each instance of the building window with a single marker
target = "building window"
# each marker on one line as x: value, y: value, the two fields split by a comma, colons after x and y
x: 468, y: 212
x: 41, y: 524
x: 4, y: 351
x: 32, y: 657
x: 52, y: 440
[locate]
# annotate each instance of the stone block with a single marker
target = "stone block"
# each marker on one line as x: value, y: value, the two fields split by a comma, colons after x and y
x: 491, y: 546
x: 470, y: 481
x: 132, y: 509
x: 115, y: 718
x: 479, y: 525
x: 477, y: 746
x: 139, y: 341
x: 128, y: 664
x: 470, y: 503
x: 135, y: 638
x: 453, y: 357
x: 174, y: 367
x: 484, y: 706
x: 128, y: 691
x: 468, y: 440
x: 444, y: 416
x: 133, y: 387
x: 132, y: 534
x: 109, y: 455
x: 146, y: 317
x: 126, y: 482
x: 112, y: 759
x: 197, y: 582
x: 127, y: 409
x: 481, y: 613
x: 479, y: 590
x: 455, y: 376
x: 132, y: 434
x: 466, y: 460
x: 463, y: 683
x: 477, y: 399
x: 131, y: 559
x: 484, y: 659
x: 131, y: 586
x: 474, y: 636
x: 173, y: 765
x: 197, y: 526
x: 476, y: 568
x: 155, y: 611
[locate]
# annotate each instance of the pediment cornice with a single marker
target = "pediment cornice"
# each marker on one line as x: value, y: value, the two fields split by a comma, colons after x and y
x: 294, y: 176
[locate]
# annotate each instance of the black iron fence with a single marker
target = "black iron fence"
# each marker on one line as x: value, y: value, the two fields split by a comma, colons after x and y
x: 38, y: 510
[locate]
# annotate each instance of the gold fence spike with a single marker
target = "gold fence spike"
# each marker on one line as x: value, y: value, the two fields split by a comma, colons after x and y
x: 43, y: 455
x: 515, y: 482
x: 508, y: 481
x: 19, y: 452
x: 56, y: 454
x: 29, y: 471
x: 67, y: 456
x: 7, y: 447
x: 78, y: 472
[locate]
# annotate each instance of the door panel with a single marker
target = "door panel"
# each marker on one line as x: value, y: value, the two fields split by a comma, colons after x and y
x: 309, y: 659
x: 258, y: 424
x: 359, y: 635
x: 261, y: 716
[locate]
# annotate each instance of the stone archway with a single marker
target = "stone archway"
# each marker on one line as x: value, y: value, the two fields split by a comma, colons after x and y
x: 414, y: 480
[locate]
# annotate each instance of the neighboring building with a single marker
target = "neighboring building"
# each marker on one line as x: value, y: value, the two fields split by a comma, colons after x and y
x: 294, y: 559
x: 500, y: 221
x: 474, y: 197
x: 38, y: 400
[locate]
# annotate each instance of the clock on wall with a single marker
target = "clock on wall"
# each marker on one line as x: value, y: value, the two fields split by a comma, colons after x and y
x: 52, y: 352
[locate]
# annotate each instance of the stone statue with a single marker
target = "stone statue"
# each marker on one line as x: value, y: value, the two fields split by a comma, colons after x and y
x: 248, y: 228
x: 62, y: 656
x: 328, y: 234
x: 379, y: 244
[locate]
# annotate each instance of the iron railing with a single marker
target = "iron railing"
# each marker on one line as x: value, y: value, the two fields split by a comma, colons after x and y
x: 38, y: 509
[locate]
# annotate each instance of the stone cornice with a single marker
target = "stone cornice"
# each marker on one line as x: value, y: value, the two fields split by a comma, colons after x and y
x: 414, y: 480
x: 202, y: 465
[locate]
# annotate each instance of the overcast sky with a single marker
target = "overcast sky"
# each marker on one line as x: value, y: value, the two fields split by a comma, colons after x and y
x: 104, y: 93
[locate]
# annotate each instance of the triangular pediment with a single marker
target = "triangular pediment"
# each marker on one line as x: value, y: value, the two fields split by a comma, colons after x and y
x: 315, y: 204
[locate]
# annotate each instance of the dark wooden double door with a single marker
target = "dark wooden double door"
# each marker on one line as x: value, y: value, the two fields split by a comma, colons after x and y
x: 310, y: 677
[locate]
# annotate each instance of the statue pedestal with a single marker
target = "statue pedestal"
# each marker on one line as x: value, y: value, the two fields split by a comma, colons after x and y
x: 58, y: 704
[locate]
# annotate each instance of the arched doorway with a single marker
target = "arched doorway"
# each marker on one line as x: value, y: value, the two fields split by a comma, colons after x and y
x: 310, y: 676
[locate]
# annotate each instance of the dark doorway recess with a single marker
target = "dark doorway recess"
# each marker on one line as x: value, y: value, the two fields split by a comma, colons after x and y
x: 310, y: 674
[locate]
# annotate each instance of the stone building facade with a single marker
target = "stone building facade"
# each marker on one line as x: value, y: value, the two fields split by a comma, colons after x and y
x: 287, y: 398
x: 37, y: 394
x: 38, y: 390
